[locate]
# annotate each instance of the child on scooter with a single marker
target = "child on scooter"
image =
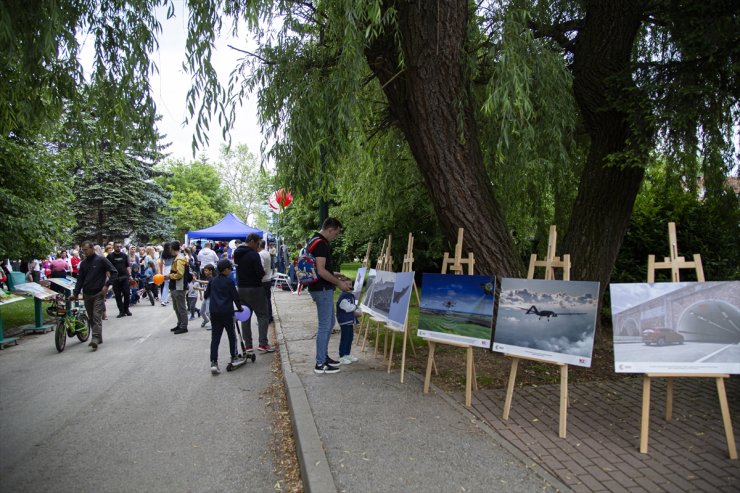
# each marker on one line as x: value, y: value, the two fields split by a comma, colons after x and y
x: 222, y: 296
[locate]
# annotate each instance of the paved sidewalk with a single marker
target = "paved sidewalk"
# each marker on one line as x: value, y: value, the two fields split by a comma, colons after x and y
x: 361, y: 430
x: 601, y: 450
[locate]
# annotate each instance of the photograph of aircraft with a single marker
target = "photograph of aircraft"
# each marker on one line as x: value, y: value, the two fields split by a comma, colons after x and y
x: 457, y: 308
x: 548, y: 313
x: 550, y: 320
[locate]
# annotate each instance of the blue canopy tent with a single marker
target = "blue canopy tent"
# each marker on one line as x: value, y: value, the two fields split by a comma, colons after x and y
x: 228, y: 228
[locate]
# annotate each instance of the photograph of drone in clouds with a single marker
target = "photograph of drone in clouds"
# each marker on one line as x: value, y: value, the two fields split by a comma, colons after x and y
x: 550, y: 320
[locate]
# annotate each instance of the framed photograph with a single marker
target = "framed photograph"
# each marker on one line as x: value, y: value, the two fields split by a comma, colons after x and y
x: 549, y: 320
x: 400, y: 303
x: 359, y: 281
x: 35, y: 289
x: 676, y: 327
x: 457, y: 308
x: 378, y: 300
x: 368, y: 291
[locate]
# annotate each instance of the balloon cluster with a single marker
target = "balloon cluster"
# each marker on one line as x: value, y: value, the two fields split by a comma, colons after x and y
x: 279, y: 199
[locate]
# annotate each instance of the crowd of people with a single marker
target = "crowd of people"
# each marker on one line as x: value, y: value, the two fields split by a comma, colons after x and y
x: 187, y: 274
x: 168, y: 273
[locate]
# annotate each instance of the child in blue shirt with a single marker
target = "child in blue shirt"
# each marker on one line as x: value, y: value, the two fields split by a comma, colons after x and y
x: 222, y: 296
x: 148, y: 281
x: 346, y: 318
x: 134, y: 284
x: 207, y: 276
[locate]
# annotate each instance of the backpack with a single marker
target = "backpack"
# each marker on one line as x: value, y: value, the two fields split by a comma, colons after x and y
x: 305, y: 269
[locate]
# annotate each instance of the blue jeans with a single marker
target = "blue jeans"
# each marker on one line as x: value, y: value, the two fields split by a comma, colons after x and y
x: 345, y: 338
x: 325, y: 308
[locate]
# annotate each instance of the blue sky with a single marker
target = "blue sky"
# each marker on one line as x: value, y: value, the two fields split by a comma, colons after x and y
x: 171, y: 84
x: 465, y: 291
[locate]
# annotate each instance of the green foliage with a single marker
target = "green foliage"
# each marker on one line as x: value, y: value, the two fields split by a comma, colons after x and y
x: 198, y: 197
x: 687, y: 60
x: 41, y: 74
x: 35, y: 198
x: 117, y: 199
x: 709, y: 226
x: 247, y: 183
x: 528, y: 120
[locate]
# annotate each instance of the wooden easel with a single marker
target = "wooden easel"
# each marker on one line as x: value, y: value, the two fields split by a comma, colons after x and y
x: 455, y: 265
x: 675, y: 263
x: 384, y: 262
x: 366, y: 260
x: 408, y: 266
x: 550, y: 263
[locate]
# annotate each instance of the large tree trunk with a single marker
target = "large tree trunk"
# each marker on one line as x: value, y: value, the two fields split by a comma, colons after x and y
x: 429, y: 101
x: 607, y: 98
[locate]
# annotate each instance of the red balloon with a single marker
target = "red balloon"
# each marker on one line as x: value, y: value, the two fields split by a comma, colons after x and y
x: 283, y: 198
x: 273, y: 203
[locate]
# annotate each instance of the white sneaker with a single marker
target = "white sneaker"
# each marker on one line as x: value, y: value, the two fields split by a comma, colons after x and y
x: 215, y: 370
x: 354, y: 360
x: 345, y: 360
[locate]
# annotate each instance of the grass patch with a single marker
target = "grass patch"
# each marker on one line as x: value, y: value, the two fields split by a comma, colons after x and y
x: 17, y: 314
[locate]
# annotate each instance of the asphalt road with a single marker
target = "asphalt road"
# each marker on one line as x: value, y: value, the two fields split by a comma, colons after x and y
x: 143, y: 413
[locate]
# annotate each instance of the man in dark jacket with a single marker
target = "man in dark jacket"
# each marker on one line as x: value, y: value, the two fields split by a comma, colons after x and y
x: 95, y: 276
x: 121, y: 288
x: 249, y: 273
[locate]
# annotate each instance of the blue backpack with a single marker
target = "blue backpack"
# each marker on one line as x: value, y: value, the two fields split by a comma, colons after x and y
x: 305, y: 269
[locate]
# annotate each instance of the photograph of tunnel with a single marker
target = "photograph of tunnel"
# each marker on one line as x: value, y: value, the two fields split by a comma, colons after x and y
x: 683, y: 327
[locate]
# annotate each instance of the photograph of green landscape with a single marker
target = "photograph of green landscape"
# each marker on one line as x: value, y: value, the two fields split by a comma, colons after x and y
x: 456, y: 308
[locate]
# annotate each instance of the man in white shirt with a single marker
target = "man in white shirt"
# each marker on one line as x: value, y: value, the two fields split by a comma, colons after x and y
x: 267, y: 279
x: 207, y: 256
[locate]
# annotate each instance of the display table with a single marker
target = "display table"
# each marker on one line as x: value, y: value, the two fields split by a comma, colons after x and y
x: 40, y: 293
x: 6, y: 299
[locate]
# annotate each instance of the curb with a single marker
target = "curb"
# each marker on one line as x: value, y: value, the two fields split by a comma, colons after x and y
x: 315, y: 472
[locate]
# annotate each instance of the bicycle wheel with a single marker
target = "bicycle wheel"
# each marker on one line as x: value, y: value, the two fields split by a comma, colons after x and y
x: 83, y: 333
x: 60, y: 337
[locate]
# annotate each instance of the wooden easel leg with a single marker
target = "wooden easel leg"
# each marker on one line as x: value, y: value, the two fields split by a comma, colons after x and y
x: 563, y: 401
x: 645, y: 423
x: 385, y: 343
x: 377, y: 339
x: 434, y: 363
x: 411, y: 342
x: 475, y: 376
x: 669, y: 399
x: 390, y: 355
x: 403, y: 353
x: 430, y: 362
x: 358, y: 342
x: 726, y: 418
x: 469, y: 378
x: 510, y: 387
x: 367, y: 332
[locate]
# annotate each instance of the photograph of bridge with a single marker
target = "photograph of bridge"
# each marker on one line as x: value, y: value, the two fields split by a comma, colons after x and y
x: 683, y: 327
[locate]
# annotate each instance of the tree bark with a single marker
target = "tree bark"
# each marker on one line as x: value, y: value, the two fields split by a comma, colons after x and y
x: 610, y: 105
x: 429, y: 100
